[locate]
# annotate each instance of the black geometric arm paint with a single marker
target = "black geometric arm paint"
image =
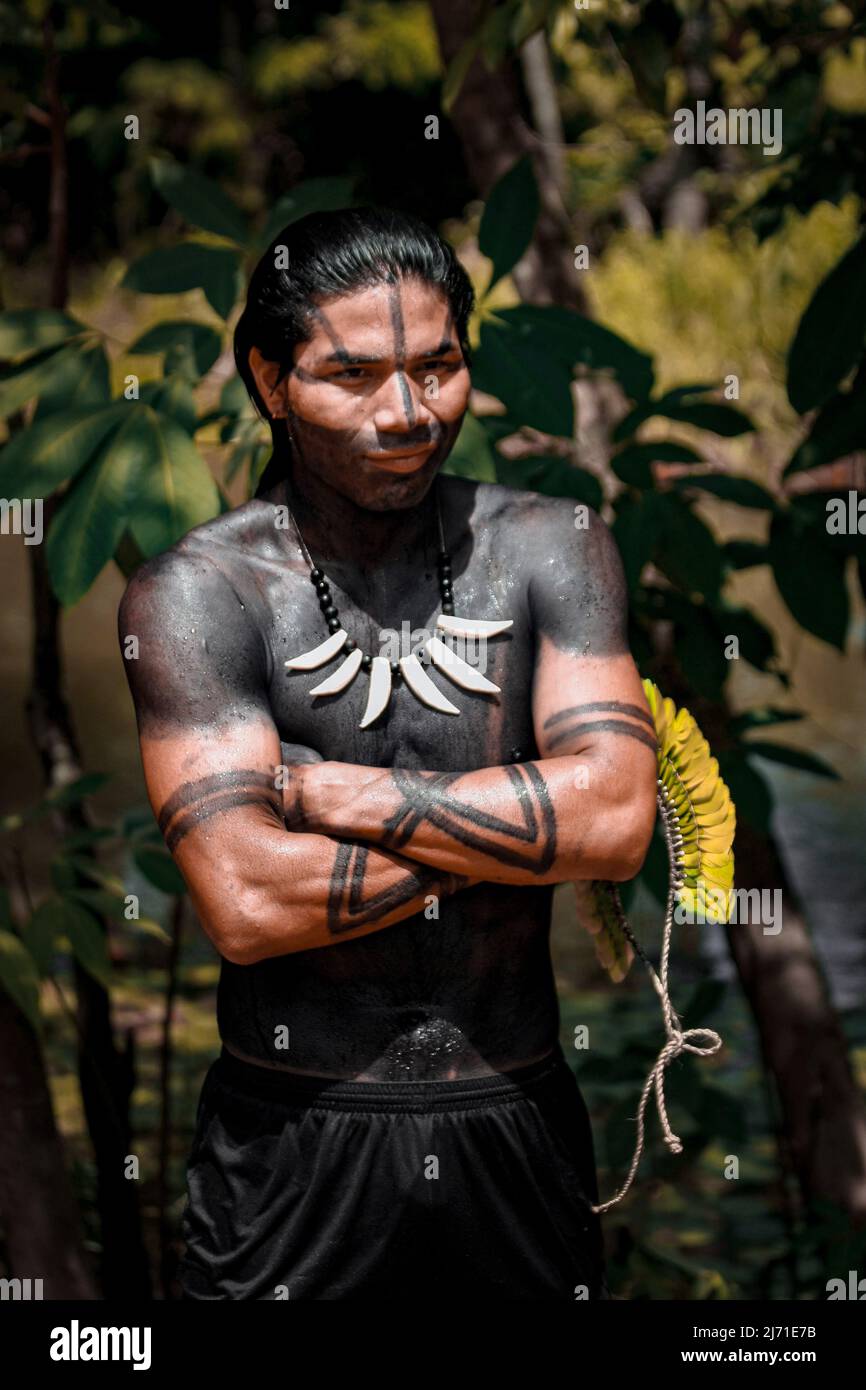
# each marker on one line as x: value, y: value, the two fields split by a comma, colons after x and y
x: 527, y: 842
x: 574, y: 724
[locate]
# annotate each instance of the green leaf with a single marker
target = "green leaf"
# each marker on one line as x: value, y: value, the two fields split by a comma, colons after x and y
x: 87, y: 938
x: 743, y: 555
x: 509, y: 218
x: 40, y: 935
x: 633, y: 464
x: 700, y: 650
x: 749, y: 792
x: 761, y: 717
x: 313, y: 195
x: 190, y: 265
x: 742, y: 491
x: 160, y: 869
x: 810, y: 577
x: 756, y: 644
x: 201, y: 201
x: 88, y: 524
x: 19, y: 978
x: 830, y: 336
x: 636, y: 529
x: 793, y: 757
x: 571, y: 340
x: 688, y: 553
x: 38, y: 459
x: 683, y: 404
x: 553, y: 477
x: 19, y: 384
x: 457, y: 70
x: 532, y: 385
x: 172, y: 397
x: 203, y: 342
x: 28, y: 330
x: 176, y: 489
x: 839, y: 429
x: 472, y: 456
x: 81, y: 378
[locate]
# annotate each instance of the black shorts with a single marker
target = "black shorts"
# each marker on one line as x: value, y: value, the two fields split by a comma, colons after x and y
x: 301, y: 1188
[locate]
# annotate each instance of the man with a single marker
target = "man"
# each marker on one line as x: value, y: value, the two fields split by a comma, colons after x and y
x: 391, y: 1114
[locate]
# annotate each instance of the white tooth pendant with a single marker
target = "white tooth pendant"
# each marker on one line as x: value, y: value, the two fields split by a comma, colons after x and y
x: 458, y: 670
x: 471, y: 627
x: 380, y: 690
x: 317, y: 656
x: 423, y: 688
x: 344, y: 674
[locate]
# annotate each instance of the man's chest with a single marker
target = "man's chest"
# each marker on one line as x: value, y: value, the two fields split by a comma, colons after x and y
x: 394, y: 613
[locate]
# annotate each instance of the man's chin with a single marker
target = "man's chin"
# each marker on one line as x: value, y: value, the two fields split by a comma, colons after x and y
x: 388, y: 490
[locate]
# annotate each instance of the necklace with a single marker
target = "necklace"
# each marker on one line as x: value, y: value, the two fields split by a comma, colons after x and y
x: 383, y: 672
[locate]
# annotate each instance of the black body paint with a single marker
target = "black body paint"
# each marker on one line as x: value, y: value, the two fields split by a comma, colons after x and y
x: 428, y: 799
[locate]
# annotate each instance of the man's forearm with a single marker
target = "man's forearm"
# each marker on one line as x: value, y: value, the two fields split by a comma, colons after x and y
x: 546, y: 821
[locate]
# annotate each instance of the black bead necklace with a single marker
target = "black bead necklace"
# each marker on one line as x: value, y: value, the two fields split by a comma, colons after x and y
x: 329, y: 608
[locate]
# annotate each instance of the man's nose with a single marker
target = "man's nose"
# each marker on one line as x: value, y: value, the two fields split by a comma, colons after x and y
x: 401, y: 403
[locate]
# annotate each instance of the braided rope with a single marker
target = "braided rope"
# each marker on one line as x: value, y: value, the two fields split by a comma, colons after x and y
x: 677, y: 1037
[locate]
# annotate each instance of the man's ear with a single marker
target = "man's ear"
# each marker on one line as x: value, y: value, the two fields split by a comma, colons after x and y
x: 265, y: 376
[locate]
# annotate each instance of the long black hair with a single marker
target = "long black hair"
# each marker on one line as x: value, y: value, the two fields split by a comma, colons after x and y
x: 332, y: 253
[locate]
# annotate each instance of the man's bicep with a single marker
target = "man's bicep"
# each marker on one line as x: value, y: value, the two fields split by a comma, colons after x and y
x: 586, y: 688
x: 209, y: 747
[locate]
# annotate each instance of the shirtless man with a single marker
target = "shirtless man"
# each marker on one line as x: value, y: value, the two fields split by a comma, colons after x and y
x: 391, y: 1114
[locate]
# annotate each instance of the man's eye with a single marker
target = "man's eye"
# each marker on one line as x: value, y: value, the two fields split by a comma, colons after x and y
x: 439, y: 363
x: 353, y: 372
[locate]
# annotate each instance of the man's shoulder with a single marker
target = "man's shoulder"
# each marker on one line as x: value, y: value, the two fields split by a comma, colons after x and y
x: 528, y: 517
x: 202, y: 561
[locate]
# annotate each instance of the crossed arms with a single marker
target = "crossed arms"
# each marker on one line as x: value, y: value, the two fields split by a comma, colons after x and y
x: 345, y: 850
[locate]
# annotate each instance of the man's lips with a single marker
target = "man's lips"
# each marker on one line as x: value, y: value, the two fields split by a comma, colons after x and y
x: 404, y: 460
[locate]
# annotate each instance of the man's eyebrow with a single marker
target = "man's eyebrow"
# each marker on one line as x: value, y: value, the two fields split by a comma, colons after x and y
x: 358, y: 359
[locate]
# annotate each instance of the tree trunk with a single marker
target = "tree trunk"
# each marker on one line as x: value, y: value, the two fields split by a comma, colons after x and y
x: 493, y: 134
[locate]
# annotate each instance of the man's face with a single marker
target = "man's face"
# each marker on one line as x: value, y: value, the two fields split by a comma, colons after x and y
x: 377, y: 394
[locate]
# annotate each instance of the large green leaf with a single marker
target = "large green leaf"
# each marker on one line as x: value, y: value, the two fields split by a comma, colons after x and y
x: 810, y: 576
x: 176, y: 490
x: 684, y: 403
x: 188, y: 266
x: 91, y: 518
x: 204, y: 343
x: 509, y: 218
x: 571, y: 340
x: 513, y: 365
x: 160, y: 869
x: 793, y: 757
x: 636, y: 528
x: 38, y: 459
x: 839, y: 429
x: 830, y: 336
x: 729, y: 489
x: 20, y: 383
x: 87, y: 938
x: 472, y: 456
x: 28, y: 330
x: 633, y: 464
x: 313, y: 195
x: 554, y: 477
x: 19, y: 978
x: 173, y: 397
x: 756, y: 644
x: 201, y: 201
x: 688, y: 552
x: 80, y: 378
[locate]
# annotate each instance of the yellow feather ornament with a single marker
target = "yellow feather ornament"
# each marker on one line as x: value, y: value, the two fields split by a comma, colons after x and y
x: 698, y: 820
